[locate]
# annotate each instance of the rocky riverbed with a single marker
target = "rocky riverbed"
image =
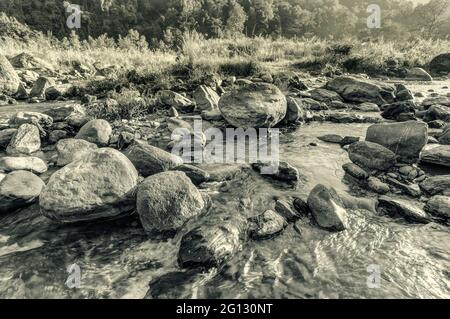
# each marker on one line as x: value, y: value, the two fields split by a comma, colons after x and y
x: 363, y: 182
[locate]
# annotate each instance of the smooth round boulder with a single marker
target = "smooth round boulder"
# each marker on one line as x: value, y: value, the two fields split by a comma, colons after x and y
x: 33, y: 164
x: 71, y: 149
x: 253, y: 105
x: 19, y: 189
x: 166, y: 201
x: 26, y: 140
x: 99, y: 185
x: 96, y: 131
x: 371, y: 156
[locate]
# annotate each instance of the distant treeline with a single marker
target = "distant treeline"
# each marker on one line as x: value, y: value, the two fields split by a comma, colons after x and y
x: 163, y: 20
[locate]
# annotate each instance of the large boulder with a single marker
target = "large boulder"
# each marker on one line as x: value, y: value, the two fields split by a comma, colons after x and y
x: 418, y: 74
x: 398, y: 111
x: 166, y: 201
x: 436, y: 184
x: 40, y: 86
x: 6, y: 136
x: 439, y: 206
x: 327, y: 208
x: 33, y: 164
x: 253, y: 106
x: 27, y: 117
x: 96, y: 131
x: 9, y: 80
x: 405, y: 139
x: 267, y: 225
x: 99, y: 185
x: 61, y: 113
x: 150, y: 160
x: 325, y: 96
x: 25, y: 141
x: 437, y: 112
x: 206, y: 98
x: 19, y: 189
x: 399, y: 207
x: 371, y: 156
x: 70, y: 150
x: 362, y: 90
x: 295, y: 111
x: 439, y: 155
x: 440, y: 64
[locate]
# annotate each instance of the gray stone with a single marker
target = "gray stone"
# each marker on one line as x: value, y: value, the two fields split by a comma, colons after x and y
x: 439, y: 206
x: 96, y: 131
x: 9, y: 80
x: 25, y: 141
x: 33, y: 164
x: 267, y: 225
x: 406, y: 209
x: 371, y: 156
x: 436, y: 184
x: 71, y: 150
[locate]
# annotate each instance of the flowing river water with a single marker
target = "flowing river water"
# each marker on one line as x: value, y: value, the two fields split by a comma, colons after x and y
x: 118, y: 260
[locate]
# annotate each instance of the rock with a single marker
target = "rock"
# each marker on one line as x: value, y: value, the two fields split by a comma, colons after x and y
x: 27, y: 61
x: 404, y: 95
x: 77, y: 120
x: 61, y: 113
x: 286, y: 172
x: 409, y: 189
x: 99, y: 185
x: 150, y: 160
x: 71, y: 150
x: 125, y: 139
x: 40, y: 86
x: 19, y: 189
x: 33, y: 164
x: 52, y: 93
x: 347, y: 140
x: 267, y: 225
x: 212, y: 244
x: 418, y: 74
x: 396, y: 110
x: 327, y: 208
x: 439, y: 155
x: 366, y: 107
x: 166, y: 201
x: 295, y: 111
x: 445, y: 137
x: 213, y: 115
x: 6, y: 136
x: 253, y: 106
x: 360, y: 90
x: 96, y: 131
x: 438, y: 124
x: 371, y: 156
x: 440, y: 100
x: 437, y: 112
x: 176, y: 100
x: 313, y: 105
x: 195, y: 174
x: 301, y: 207
x: 331, y: 138
x: 406, y: 209
x: 35, y: 118
x: 285, y: 210
x: 439, y: 206
x: 440, y: 65
x: 25, y: 141
x: 337, y: 105
x: 9, y: 80
x: 56, y: 135
x: 377, y: 186
x: 355, y: 171
x: 88, y: 99
x: 405, y: 139
x: 436, y: 184
x: 173, y: 112
x: 325, y: 96
x: 206, y: 98
x: 22, y: 93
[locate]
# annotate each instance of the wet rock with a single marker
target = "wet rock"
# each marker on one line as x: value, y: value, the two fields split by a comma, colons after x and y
x: 325, y: 96
x: 195, y: 174
x: 25, y: 141
x: 285, y: 172
x: 366, y: 107
x: 418, y: 74
x: 399, y: 207
x: 440, y: 100
x: 331, y: 138
x: 407, y: 188
x: 301, y: 207
x: 33, y: 164
x: 77, y: 120
x: 439, y: 155
x: 166, y: 201
x: 286, y: 211
x: 213, y: 115
x: 71, y: 150
x: 439, y: 206
x: 22, y: 93
x: 253, y: 106
x: 56, y: 135
x: 347, y: 140
x: 176, y: 100
x: 295, y: 111
x: 437, y: 112
x: 440, y: 64
x: 125, y: 139
x: 53, y: 93
x: 6, y: 136
x: 206, y: 98
x: 35, y: 118
x: 377, y: 185
x: 337, y: 105
x: 61, y: 113
x: 150, y: 160
x: 267, y: 225
x: 355, y: 171
x: 99, y: 185
x: 96, y: 131
x: 212, y: 244
x: 397, y: 111
x: 405, y: 139
x: 19, y: 189
x: 40, y: 86
x: 327, y: 208
x: 436, y: 124
x: 9, y: 80
x: 361, y: 90
x: 371, y: 156
x: 313, y: 105
x: 436, y: 184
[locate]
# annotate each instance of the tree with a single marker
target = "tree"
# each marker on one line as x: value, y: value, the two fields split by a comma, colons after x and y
x: 430, y: 17
x: 236, y: 18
